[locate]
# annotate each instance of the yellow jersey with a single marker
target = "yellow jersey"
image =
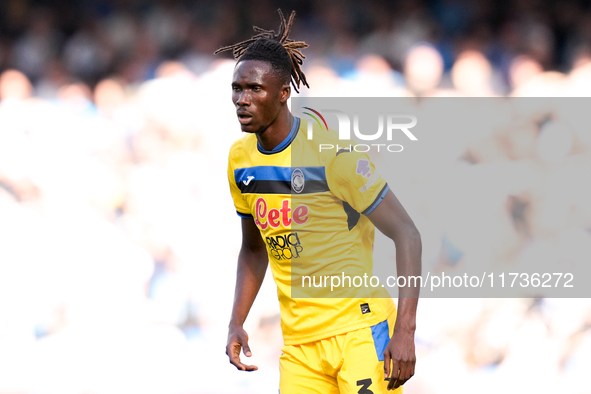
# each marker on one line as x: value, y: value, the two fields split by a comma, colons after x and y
x: 310, y: 207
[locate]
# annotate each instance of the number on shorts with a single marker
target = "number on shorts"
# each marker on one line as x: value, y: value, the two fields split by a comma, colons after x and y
x: 365, y: 389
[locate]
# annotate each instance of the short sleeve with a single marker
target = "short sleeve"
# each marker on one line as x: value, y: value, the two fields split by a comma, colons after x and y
x: 353, y: 178
x: 242, y: 208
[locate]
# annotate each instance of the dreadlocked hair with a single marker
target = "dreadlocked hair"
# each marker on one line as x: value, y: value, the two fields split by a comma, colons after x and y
x: 278, y: 49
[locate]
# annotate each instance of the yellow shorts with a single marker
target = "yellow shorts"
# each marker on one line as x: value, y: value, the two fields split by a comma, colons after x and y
x: 350, y: 363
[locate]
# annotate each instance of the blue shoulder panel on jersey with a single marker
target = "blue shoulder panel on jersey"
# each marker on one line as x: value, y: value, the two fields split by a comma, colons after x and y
x: 381, y: 336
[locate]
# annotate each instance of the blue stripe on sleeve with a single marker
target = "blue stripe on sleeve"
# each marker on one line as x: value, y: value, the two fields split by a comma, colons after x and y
x: 377, y: 201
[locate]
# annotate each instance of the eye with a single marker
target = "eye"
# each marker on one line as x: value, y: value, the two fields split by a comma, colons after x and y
x: 256, y: 88
x: 236, y: 88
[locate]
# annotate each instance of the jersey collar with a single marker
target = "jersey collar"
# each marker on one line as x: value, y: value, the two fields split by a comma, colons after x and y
x: 285, y: 143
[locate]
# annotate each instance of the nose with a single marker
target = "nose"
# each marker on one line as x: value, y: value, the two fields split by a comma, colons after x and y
x: 242, y: 98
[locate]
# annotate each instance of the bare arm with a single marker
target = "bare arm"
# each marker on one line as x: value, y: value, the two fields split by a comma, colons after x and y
x: 391, y: 219
x: 252, y: 265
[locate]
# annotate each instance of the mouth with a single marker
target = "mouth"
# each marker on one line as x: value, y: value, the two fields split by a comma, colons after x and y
x: 244, y: 117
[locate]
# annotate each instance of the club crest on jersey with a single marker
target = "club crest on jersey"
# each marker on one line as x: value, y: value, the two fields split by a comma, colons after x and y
x: 297, y: 180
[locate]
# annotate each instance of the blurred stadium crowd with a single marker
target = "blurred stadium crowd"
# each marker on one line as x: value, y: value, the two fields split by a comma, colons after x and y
x: 118, y: 237
x: 483, y: 47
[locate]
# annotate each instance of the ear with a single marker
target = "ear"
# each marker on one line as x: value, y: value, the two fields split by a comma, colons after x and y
x: 285, y: 93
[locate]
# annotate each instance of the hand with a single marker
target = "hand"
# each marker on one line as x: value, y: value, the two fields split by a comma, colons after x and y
x: 400, y: 352
x: 238, y: 339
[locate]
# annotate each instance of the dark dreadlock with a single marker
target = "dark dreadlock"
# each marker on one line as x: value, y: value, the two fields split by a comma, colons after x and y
x: 275, y: 48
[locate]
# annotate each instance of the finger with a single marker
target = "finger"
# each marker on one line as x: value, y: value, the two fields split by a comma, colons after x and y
x: 250, y: 368
x: 386, y: 364
x: 394, y: 375
x: 233, y: 352
x: 235, y: 360
x: 246, y: 349
x: 407, y: 372
x: 402, y: 375
x: 243, y: 367
x: 243, y: 340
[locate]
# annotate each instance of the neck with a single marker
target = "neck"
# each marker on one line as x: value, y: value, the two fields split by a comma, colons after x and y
x: 276, y: 132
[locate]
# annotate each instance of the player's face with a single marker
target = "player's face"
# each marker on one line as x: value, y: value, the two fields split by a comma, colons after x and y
x: 258, y: 95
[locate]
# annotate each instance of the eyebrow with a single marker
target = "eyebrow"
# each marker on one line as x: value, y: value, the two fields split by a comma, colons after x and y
x: 250, y: 85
